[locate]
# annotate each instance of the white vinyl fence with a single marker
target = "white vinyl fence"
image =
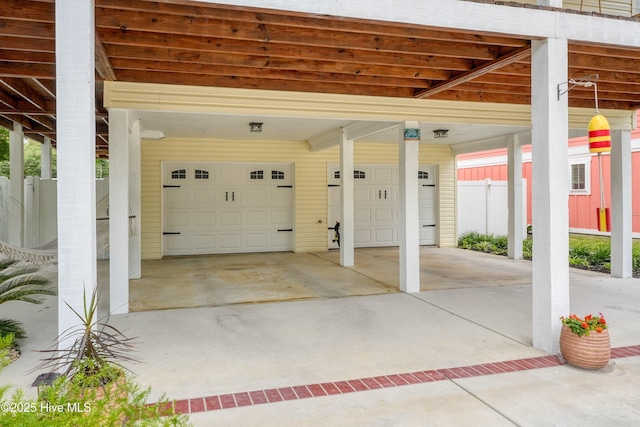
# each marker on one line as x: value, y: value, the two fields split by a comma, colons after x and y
x: 483, y: 207
x: 39, y: 209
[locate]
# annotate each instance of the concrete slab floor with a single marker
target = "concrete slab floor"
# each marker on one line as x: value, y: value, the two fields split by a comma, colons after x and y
x: 182, y: 282
x: 217, y: 280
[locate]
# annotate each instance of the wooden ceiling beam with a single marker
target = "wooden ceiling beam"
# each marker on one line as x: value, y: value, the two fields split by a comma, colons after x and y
x: 6, y: 122
x: 35, y: 30
x: 267, y: 84
x: 266, y: 73
x: 33, y: 11
x: 478, y: 71
x: 26, y: 44
x: 103, y: 64
x: 20, y: 88
x: 27, y: 56
x: 243, y: 47
x: 285, y: 34
x: 605, y: 51
x: 504, y: 79
x: 22, y: 70
x: 22, y: 120
x: 604, y: 63
x: 132, y: 53
x: 44, y: 122
x: 301, y: 20
x: 478, y: 96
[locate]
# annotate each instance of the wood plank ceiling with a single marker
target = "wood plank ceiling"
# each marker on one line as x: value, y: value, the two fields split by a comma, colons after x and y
x: 190, y: 43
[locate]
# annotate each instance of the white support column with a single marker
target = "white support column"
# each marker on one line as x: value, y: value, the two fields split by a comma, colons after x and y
x: 550, y: 192
x: 118, y: 211
x: 347, y: 227
x: 621, y: 209
x: 46, y: 160
x: 135, y: 197
x: 16, y: 186
x: 409, y: 140
x: 515, y: 197
x: 76, y: 135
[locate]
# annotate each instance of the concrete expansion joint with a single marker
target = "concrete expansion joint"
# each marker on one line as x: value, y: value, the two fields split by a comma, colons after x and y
x: 468, y: 320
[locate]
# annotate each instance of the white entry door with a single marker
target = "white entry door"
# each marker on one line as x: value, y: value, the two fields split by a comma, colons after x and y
x: 376, y: 205
x: 211, y: 208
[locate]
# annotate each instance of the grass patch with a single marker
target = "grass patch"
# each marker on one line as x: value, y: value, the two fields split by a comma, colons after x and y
x: 586, y: 252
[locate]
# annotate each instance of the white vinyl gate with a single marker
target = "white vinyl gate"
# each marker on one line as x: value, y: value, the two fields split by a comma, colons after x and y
x: 483, y: 207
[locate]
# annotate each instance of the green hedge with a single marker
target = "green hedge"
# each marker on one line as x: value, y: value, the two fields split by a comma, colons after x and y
x: 586, y: 252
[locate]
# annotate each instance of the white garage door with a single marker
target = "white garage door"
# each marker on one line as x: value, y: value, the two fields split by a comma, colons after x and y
x: 211, y: 208
x: 376, y: 204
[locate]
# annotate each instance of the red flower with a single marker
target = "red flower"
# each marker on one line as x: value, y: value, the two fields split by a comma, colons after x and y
x: 599, y: 329
x: 602, y: 321
x: 585, y: 325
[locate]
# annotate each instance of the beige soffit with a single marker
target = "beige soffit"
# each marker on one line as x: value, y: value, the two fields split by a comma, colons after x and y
x: 214, y: 100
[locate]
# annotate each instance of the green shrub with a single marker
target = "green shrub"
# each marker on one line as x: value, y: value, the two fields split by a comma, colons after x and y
x: 69, y: 403
x: 20, y: 284
x: 527, y: 249
x: 586, y: 252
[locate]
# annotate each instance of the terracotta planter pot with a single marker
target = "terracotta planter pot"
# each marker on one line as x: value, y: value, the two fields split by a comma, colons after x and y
x: 588, y: 352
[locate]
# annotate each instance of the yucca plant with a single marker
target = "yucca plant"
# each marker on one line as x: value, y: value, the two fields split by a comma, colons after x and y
x: 97, y: 348
x: 20, y: 284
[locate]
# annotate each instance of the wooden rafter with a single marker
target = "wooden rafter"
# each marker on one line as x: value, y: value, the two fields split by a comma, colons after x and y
x: 483, y: 69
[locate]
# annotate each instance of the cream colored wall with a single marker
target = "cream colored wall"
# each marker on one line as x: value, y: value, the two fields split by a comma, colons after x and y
x: 310, y: 184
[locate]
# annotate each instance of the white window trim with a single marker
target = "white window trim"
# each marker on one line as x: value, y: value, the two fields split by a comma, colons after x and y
x: 586, y: 161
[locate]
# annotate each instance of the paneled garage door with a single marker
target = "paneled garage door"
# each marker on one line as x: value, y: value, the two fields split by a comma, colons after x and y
x: 376, y: 204
x: 211, y: 208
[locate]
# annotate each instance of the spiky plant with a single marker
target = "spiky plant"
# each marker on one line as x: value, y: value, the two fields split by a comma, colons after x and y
x: 97, y: 348
x: 20, y: 284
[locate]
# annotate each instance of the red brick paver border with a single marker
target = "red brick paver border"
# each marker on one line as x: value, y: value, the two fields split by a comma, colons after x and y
x: 226, y: 401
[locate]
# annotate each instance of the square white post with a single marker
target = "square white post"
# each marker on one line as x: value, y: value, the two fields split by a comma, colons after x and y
x: 135, y: 197
x: 621, y: 208
x: 347, y: 227
x: 15, y: 232
x: 118, y: 211
x: 76, y: 133
x: 515, y: 197
x: 550, y: 192
x: 45, y: 159
x: 409, y: 140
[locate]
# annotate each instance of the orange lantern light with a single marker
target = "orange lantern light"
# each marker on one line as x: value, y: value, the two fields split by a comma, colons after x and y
x: 599, y: 134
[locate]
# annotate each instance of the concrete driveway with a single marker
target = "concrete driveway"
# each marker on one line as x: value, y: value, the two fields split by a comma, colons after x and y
x: 217, y: 280
x: 458, y: 354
